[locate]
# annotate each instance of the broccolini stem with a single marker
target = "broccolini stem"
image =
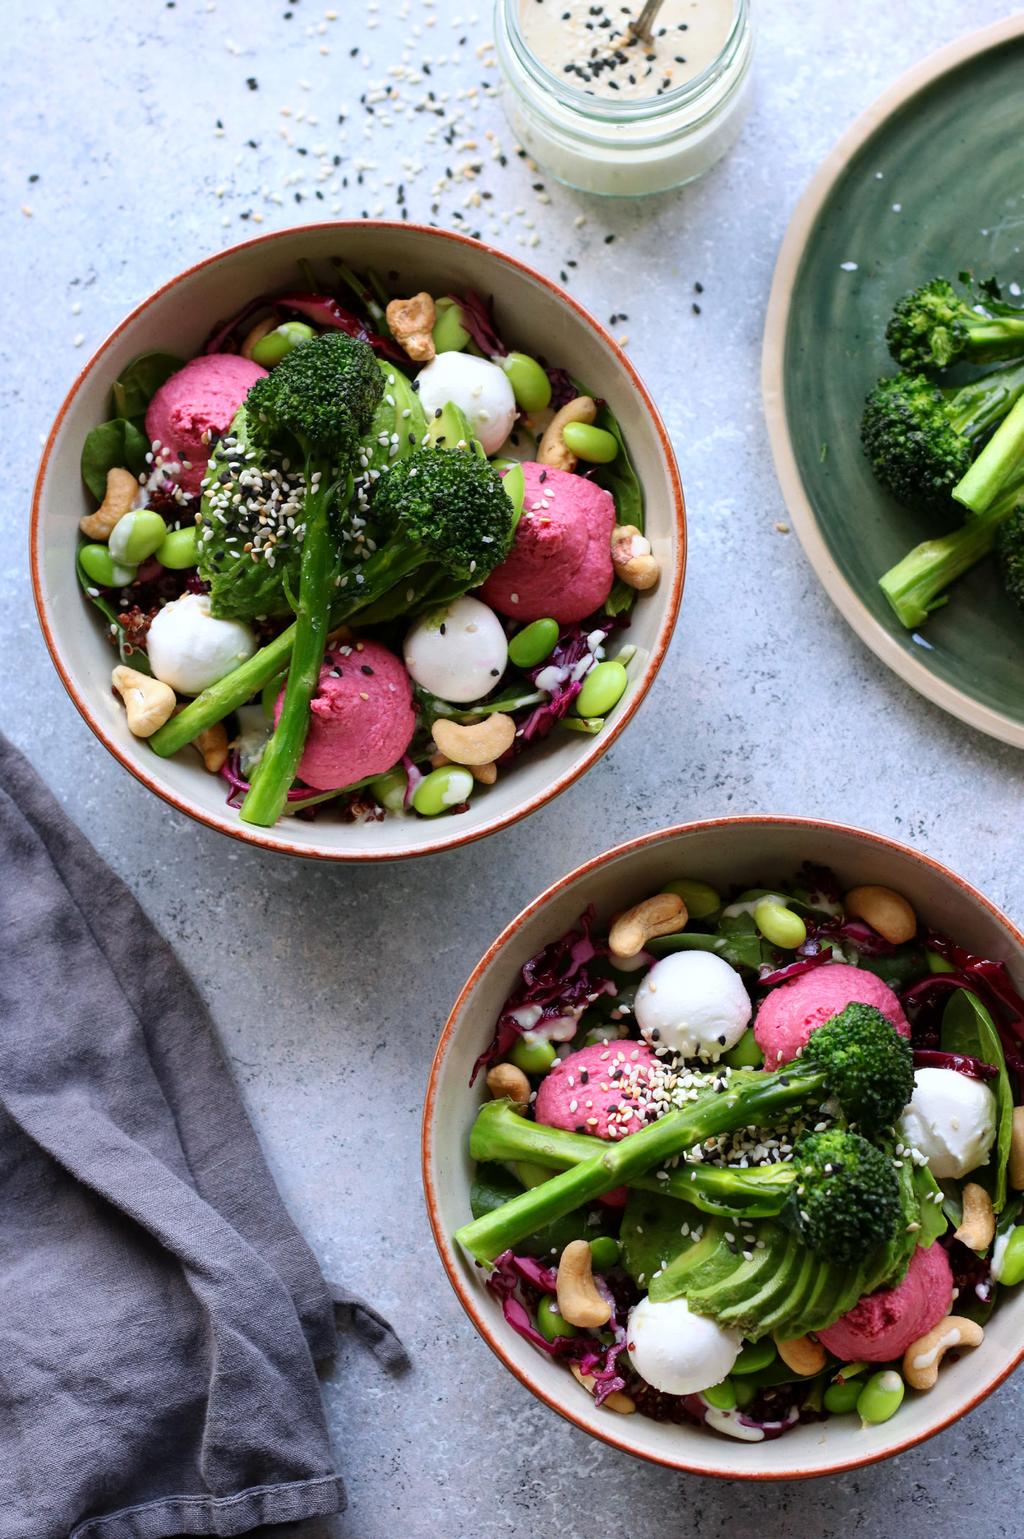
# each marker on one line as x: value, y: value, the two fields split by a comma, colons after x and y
x: 995, y: 339
x: 997, y: 462
x: 982, y: 405
x: 915, y: 586
x: 618, y: 1164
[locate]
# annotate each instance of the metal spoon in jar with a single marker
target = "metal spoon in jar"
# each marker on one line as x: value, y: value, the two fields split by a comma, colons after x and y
x: 642, y: 27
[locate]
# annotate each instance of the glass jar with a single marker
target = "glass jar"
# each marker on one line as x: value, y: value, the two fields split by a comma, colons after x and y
x: 629, y: 147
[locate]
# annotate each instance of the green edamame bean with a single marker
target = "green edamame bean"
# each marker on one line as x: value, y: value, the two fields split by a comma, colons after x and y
x: 270, y: 349
x: 591, y: 725
x: 937, y: 964
x: 841, y: 1398
x: 389, y: 790
x: 530, y: 385
x: 755, y: 1356
x: 745, y: 1391
x: 779, y: 925
x: 881, y: 1397
x: 701, y: 900
x: 532, y: 1175
x: 442, y: 789
x: 180, y: 549
x: 746, y: 1054
x: 603, y: 687
x: 536, y: 641
x: 1011, y: 1268
x: 534, y: 1055
x: 137, y: 536
x: 604, y: 1253
x: 549, y: 1322
x: 100, y: 567
x: 450, y: 336
x: 590, y: 443
x: 721, y: 1396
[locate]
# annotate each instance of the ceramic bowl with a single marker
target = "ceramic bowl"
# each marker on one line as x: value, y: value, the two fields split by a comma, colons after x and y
x: 748, y: 851
x: 542, y: 318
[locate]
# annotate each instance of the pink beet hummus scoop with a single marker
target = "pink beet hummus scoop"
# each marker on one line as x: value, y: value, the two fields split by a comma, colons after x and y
x: 560, y: 564
x: 790, y: 1013
x: 881, y: 1326
x: 194, y: 406
x: 601, y: 1090
x: 361, y: 717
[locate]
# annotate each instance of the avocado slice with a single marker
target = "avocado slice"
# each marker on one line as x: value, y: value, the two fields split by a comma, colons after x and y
x: 759, y: 1289
x: 399, y: 424
x: 449, y: 429
x: 711, y: 1259
x: 777, y: 1317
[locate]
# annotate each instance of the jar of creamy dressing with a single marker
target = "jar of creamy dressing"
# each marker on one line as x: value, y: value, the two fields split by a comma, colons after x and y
x: 604, y: 111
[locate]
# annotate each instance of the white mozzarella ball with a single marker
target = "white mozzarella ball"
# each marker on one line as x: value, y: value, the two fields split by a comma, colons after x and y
x: 678, y: 1352
x: 458, y: 654
x: 951, y: 1119
x: 190, y: 650
x: 693, y: 1003
x: 478, y: 388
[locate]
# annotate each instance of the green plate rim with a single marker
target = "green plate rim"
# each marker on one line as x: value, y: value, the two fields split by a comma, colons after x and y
x: 798, y: 503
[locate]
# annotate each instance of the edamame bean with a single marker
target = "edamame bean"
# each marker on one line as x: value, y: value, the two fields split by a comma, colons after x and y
x: 590, y: 443
x: 701, y: 900
x: 603, y: 687
x: 534, y: 1055
x: 532, y: 1175
x: 755, y: 1356
x: 841, y: 1398
x: 721, y: 1396
x: 604, y: 1253
x: 1011, y: 1267
x: 745, y: 1392
x: 270, y: 349
x: 100, y: 567
x: 180, y: 550
x: 136, y: 536
x: 881, y: 1397
x: 450, y: 336
x: 588, y: 724
x: 746, y: 1054
x: 549, y: 1322
x: 779, y: 925
x: 442, y: 789
x: 937, y: 964
x: 536, y: 641
x: 389, y: 790
x: 530, y: 385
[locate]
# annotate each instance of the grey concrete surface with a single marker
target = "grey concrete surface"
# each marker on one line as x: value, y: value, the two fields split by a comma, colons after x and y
x: 329, y: 986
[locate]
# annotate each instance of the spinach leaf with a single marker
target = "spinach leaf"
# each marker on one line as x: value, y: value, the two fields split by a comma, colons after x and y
x: 136, y: 387
x: 738, y: 943
x: 622, y: 481
x: 651, y: 1233
x: 136, y: 658
x: 933, y: 1220
x: 115, y: 444
x: 968, y: 1028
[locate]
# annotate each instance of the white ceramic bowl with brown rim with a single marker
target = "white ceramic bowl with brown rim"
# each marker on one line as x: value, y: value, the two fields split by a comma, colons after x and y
x: 743, y: 850
x: 538, y: 317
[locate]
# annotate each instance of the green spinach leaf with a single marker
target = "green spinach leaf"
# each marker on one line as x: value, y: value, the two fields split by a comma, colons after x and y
x: 114, y: 444
x: 136, y: 387
x: 968, y: 1028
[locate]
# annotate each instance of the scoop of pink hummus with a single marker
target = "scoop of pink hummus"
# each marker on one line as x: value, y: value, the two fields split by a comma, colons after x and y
x: 882, y: 1325
x: 560, y: 564
x: 791, y: 1012
x: 361, y: 717
x: 597, y: 1089
x: 201, y: 398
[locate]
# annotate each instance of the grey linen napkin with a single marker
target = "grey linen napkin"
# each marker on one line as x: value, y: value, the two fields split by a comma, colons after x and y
x: 160, y: 1315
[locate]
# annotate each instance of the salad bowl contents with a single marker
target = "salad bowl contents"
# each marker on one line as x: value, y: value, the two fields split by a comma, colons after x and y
x: 361, y: 559
x: 751, y: 1153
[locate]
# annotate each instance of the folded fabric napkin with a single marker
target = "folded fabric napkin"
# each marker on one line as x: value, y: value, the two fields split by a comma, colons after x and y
x: 160, y: 1315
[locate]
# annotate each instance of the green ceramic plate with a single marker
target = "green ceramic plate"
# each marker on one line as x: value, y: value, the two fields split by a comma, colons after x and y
x: 930, y: 180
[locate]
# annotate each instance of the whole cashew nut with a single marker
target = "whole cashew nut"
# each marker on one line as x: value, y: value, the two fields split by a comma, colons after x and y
x: 553, y: 449
x: 411, y: 322
x: 663, y: 914
x: 632, y: 559
x: 481, y: 743
x: 978, y: 1225
x: 884, y: 910
x: 258, y: 332
x: 147, y: 702
x: 212, y: 747
x: 578, y: 1299
x: 801, y: 1353
x: 1016, y: 1166
x: 505, y: 1080
x: 922, y: 1358
x: 618, y: 1401
x: 119, y: 499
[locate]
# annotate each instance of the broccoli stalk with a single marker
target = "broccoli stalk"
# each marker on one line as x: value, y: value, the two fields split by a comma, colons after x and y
x: 932, y: 327
x: 857, y: 1057
x: 996, y: 463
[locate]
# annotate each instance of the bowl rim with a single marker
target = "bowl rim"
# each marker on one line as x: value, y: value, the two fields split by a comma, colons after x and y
x: 875, y: 635
x: 592, y: 752
x: 446, y: 1251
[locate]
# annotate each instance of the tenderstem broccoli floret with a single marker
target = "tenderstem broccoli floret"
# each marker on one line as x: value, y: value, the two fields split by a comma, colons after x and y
x: 934, y: 326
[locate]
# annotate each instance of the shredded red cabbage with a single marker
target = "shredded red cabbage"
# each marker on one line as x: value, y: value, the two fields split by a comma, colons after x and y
x: 990, y: 981
x: 520, y: 1282
x: 562, y: 388
x: 321, y: 309
x: 855, y: 932
x: 230, y: 772
x: 477, y: 316
x: 769, y: 978
x: 413, y: 776
x: 972, y: 1068
x: 571, y: 648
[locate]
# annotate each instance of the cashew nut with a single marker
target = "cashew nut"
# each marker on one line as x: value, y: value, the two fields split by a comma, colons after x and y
x: 624, y: 1404
x: 632, y: 559
x: 884, y: 910
x: 1016, y: 1166
x: 663, y: 914
x: 147, y: 702
x: 481, y: 743
x: 578, y: 1299
x: 505, y: 1080
x: 978, y: 1225
x: 119, y: 499
x: 484, y: 774
x: 212, y: 746
x: 412, y: 325
x: 553, y: 449
x: 801, y: 1353
x: 258, y: 332
x: 922, y: 1358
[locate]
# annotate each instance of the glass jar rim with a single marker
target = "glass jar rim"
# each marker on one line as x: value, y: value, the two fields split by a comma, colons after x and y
x: 605, y: 109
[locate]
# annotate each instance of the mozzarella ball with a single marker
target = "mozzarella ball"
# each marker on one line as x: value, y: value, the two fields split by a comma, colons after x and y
x: 694, y: 1004
x: 190, y: 650
x: 951, y: 1119
x: 477, y: 387
x: 459, y: 653
x: 678, y: 1352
